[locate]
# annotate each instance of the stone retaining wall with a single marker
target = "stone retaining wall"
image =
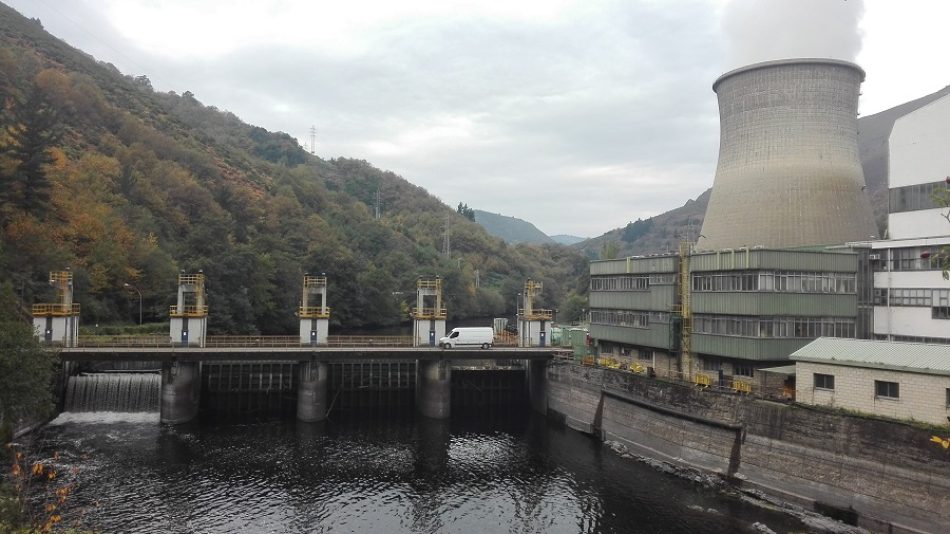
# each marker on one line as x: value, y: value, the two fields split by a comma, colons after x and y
x: 890, y: 474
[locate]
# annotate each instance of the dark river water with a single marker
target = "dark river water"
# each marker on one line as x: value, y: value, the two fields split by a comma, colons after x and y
x: 507, y: 472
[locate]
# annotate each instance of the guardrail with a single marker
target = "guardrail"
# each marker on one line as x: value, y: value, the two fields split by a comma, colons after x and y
x: 505, y: 339
x: 699, y: 379
x: 58, y: 310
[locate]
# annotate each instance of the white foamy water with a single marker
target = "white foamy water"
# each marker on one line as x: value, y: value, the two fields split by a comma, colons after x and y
x: 105, y: 417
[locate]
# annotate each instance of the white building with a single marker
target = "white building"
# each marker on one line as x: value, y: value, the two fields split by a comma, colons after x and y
x: 911, y: 297
x: 892, y: 379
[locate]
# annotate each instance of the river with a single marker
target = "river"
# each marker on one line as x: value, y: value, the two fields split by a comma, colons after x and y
x: 501, y: 472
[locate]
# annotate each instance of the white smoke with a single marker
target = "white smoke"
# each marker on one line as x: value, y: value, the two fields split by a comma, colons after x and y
x: 762, y: 30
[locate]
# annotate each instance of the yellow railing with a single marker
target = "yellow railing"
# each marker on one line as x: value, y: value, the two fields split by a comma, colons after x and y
x: 313, y: 312
x: 742, y: 386
x: 428, y: 284
x: 314, y: 281
x: 702, y: 379
x: 428, y: 313
x: 60, y: 277
x: 188, y: 311
x: 536, y: 314
x: 191, y: 279
x: 56, y: 310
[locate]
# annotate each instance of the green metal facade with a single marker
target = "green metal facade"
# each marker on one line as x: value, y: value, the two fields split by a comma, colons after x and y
x: 656, y: 336
x: 774, y: 260
x: 746, y: 348
x: 656, y: 298
x: 635, y: 265
x: 764, y: 303
x: 663, y: 297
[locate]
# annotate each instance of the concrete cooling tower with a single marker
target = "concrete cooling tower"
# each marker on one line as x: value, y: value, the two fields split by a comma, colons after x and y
x: 789, y: 174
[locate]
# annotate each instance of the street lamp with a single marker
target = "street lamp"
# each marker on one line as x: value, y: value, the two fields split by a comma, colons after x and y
x: 130, y: 286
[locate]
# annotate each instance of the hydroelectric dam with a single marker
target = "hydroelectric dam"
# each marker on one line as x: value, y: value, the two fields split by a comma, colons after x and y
x: 318, y: 379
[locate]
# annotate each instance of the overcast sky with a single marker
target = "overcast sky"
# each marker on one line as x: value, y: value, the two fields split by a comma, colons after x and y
x: 578, y: 116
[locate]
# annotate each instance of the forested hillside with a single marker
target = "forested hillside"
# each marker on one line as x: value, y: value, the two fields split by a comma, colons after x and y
x: 126, y: 185
x: 511, y: 229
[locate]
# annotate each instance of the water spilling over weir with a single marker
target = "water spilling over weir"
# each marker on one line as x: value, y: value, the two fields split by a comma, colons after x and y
x: 113, y: 392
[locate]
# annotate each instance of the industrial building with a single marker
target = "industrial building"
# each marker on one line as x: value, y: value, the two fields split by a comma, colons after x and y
x: 733, y: 313
x: 911, y: 297
x: 770, y: 271
x: 892, y: 379
x: 789, y: 172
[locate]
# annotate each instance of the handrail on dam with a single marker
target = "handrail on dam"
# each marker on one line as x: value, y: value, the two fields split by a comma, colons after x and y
x: 239, y: 342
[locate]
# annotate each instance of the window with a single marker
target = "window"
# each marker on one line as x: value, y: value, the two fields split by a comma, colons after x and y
x: 913, y: 197
x: 887, y: 390
x: 645, y: 354
x: 824, y: 381
x: 948, y: 397
x: 742, y: 369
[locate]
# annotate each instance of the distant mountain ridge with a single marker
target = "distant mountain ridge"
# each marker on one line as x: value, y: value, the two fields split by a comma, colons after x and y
x: 511, y: 229
x: 565, y: 239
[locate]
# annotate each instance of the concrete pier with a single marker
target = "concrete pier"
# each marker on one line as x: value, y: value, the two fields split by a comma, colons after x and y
x: 538, y: 385
x: 434, y: 388
x: 181, y: 391
x: 312, y: 392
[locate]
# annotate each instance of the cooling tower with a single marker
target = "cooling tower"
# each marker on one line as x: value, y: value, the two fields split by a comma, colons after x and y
x: 789, y: 174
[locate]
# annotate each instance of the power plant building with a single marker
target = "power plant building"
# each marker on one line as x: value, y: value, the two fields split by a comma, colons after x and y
x: 911, y: 297
x: 763, y: 279
x: 789, y: 173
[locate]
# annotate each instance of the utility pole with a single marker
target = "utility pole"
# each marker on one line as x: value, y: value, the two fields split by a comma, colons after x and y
x: 446, y: 244
x: 313, y: 139
x: 377, y: 203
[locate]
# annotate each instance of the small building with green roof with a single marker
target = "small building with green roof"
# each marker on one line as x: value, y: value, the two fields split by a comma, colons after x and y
x: 887, y: 378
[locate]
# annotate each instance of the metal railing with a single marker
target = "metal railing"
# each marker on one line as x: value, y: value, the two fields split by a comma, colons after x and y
x: 428, y: 313
x: 729, y: 384
x: 240, y: 342
x: 313, y: 312
x: 536, y: 314
x: 188, y: 311
x: 56, y: 310
x: 96, y: 341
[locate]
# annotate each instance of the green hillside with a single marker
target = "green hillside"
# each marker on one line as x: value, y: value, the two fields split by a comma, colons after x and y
x: 511, y: 229
x: 124, y: 184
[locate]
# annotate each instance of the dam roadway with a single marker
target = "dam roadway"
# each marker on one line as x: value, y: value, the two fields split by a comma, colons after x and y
x: 302, y: 353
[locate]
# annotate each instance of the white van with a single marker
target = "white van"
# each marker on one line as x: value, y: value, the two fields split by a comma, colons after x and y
x: 470, y: 336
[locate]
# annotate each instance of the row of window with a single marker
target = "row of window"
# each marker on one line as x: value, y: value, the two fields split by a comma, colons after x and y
x: 937, y: 299
x: 925, y: 258
x: 630, y: 282
x: 913, y: 197
x: 780, y: 281
x: 882, y: 388
x: 634, y: 319
x: 774, y: 327
x: 914, y: 339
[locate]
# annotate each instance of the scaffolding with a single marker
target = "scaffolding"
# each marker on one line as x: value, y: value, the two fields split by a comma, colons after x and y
x: 686, y: 357
x: 432, y: 288
x: 314, y: 292
x: 532, y: 290
x: 191, y: 297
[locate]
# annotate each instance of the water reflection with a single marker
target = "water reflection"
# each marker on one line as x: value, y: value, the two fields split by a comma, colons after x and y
x: 496, y: 471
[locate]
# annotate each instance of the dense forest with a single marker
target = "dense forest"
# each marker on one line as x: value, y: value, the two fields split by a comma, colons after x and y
x: 126, y: 185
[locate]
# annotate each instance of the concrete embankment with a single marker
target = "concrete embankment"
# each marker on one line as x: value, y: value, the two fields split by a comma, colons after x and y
x: 881, y: 475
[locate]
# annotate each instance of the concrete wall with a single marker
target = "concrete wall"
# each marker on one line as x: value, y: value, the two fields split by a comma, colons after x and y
x: 65, y: 330
x: 889, y: 473
x: 923, y: 397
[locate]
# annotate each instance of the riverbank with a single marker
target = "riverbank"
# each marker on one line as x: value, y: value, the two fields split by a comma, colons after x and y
x: 880, y: 475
